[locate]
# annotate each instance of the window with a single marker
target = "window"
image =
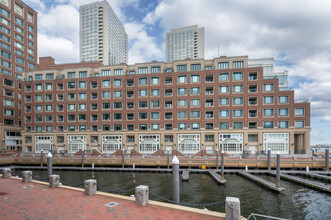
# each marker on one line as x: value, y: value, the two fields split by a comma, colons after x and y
x: 224, y: 101
x: 143, y: 93
x: 299, y: 111
x: 182, y: 79
x: 39, y: 128
x: 195, y: 102
x: 252, y: 125
x: 237, y: 76
x: 224, y: 125
x: 283, y: 112
x: 224, y: 77
x: 106, y: 95
x: 237, y: 64
x: 142, y: 127
x: 117, y: 116
x: 142, y: 70
x: 156, y: 69
x: 82, y: 95
x: 5, y: 54
x: 82, y: 74
x: 106, y: 83
x: 142, y: 104
x: 71, y: 85
x: 19, y: 21
x: 195, y: 78
x: 143, y: 81
x: 117, y: 105
x: 299, y: 124
x: 237, y: 101
x: 8, y: 102
x: 268, y: 87
x: 49, y: 118
x: 155, y: 80
x: 71, y: 75
x: 182, y: 103
x: 105, y: 72
x: 142, y: 115
x: 117, y: 94
x: 195, y: 67
x: 39, y: 87
x: 82, y: 117
x: 30, y: 28
x: 8, y: 112
x: 238, y: 88
x: 155, y: 115
x: 195, y: 126
x: 268, y: 112
x: 283, y: 124
x: 82, y: 84
x: 49, y: 108
x: 49, y: 76
x: 106, y: 117
x: 5, y: 12
x: 118, y: 72
x: 38, y: 98
x: 223, y: 113
x: 252, y: 76
x: 82, y: 106
x: 155, y: 92
x: 117, y: 82
x: 8, y: 82
x: 195, y: 91
x: 168, y: 138
x: 71, y: 96
x: 71, y: 106
x: 268, y: 124
x: 195, y: 114
x: 224, y: 89
x: 182, y: 114
x: 6, y: 64
x: 237, y: 125
x: 155, y: 104
x: 282, y: 99
x: 209, y: 78
x: 268, y: 100
x: 223, y: 65
x: 182, y: 91
x: 181, y: 68
x: 252, y: 138
x: 237, y: 113
x: 106, y: 105
x: 182, y: 126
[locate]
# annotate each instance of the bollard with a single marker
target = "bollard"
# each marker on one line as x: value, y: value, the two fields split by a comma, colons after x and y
x: 49, y: 164
x: 222, y: 165
x: 90, y: 186
x: 6, y: 173
x: 232, y: 208
x: 122, y: 158
x: 54, y: 181
x: 175, y: 179
x: 26, y: 176
x: 168, y: 159
x: 246, y: 168
x: 83, y: 158
x: 327, y: 160
x: 41, y: 157
x: 307, y: 169
x: 269, y: 159
x: 278, y: 169
x: 141, y: 195
x: 216, y: 159
x: 92, y: 165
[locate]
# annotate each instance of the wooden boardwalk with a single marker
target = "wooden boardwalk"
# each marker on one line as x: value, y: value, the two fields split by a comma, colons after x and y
x: 185, y: 175
x: 261, y: 181
x: 216, y: 176
x: 316, y: 176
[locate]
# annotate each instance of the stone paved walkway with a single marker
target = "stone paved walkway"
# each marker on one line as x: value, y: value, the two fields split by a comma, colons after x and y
x: 36, y: 201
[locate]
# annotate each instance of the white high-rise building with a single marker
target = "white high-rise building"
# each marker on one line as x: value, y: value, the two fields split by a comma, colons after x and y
x: 186, y: 42
x: 102, y: 35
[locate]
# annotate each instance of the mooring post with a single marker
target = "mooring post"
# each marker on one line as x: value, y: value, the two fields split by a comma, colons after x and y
x: 83, y: 158
x: 222, y: 165
x: 168, y: 158
x: 41, y: 157
x: 269, y: 159
x: 217, y: 159
x: 122, y: 158
x: 327, y: 160
x: 278, y: 169
x: 175, y: 179
x: 49, y: 164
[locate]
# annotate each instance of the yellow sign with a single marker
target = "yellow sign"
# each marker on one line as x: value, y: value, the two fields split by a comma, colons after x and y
x: 203, y: 167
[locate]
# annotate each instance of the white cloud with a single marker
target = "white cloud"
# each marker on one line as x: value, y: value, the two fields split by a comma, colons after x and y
x: 143, y: 47
x: 63, y: 50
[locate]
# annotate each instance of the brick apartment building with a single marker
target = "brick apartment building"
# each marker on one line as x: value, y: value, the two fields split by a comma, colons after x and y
x: 187, y: 105
x: 18, y: 46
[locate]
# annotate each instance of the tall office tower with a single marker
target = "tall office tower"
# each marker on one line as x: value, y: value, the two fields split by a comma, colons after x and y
x: 186, y: 42
x: 18, y: 46
x: 102, y: 35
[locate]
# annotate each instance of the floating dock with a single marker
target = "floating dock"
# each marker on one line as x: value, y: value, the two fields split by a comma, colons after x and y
x: 316, y: 176
x: 311, y: 184
x: 185, y: 175
x: 217, y: 177
x: 261, y: 181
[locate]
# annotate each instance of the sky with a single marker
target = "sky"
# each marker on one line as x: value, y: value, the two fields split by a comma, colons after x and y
x: 296, y: 33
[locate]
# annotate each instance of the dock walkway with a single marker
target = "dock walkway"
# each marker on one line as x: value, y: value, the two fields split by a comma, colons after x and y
x: 261, y: 181
x: 316, y: 176
x: 216, y: 176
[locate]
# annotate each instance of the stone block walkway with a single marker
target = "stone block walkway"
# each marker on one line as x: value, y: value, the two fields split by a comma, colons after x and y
x: 37, y: 201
